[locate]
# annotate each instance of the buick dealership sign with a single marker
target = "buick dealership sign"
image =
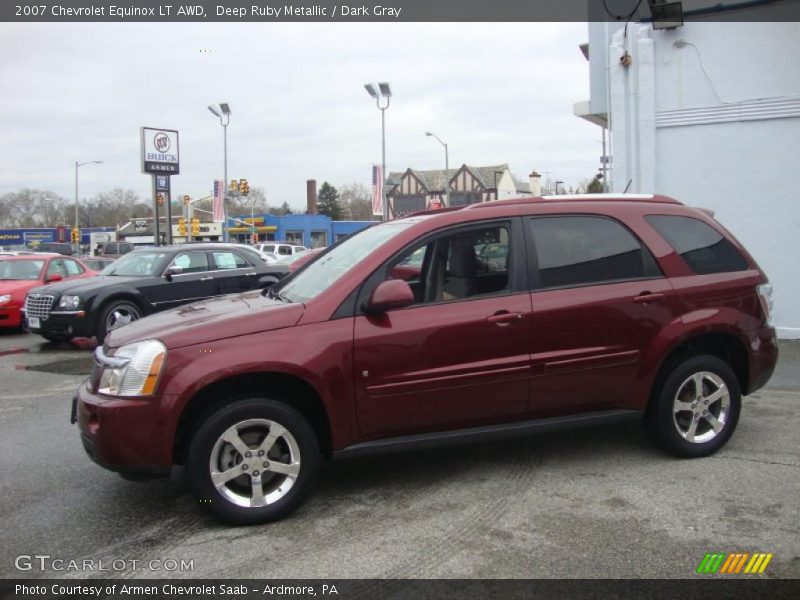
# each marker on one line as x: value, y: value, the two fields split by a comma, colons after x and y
x: 160, y: 151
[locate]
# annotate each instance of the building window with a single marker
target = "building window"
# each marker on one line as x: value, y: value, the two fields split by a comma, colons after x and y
x: 319, y: 239
x: 404, y: 205
x: 294, y: 237
x: 464, y: 198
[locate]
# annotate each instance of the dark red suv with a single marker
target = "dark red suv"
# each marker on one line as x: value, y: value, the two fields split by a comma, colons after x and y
x: 488, y: 321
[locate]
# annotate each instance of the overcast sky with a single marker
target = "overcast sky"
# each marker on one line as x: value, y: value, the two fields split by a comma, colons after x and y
x: 494, y: 92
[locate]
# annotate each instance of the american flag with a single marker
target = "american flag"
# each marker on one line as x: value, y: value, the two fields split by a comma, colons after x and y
x: 219, y: 194
x: 377, y: 190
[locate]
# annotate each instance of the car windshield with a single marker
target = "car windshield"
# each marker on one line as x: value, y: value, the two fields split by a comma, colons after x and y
x: 319, y: 275
x: 21, y: 269
x: 137, y: 264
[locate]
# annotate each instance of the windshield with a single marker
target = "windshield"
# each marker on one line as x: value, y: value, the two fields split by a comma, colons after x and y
x: 21, y: 269
x: 137, y: 264
x: 319, y: 275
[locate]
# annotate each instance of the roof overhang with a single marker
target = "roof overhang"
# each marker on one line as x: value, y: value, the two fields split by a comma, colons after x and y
x: 584, y: 111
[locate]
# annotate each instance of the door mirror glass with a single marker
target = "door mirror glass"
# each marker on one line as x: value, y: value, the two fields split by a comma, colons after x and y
x: 390, y: 294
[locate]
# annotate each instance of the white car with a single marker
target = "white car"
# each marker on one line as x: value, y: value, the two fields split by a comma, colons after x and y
x: 280, y: 249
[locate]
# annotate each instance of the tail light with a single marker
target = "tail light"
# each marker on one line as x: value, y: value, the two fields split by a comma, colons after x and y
x: 765, y: 296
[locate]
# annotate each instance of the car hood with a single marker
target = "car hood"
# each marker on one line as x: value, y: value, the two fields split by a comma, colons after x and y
x: 209, y: 320
x: 17, y: 287
x: 86, y: 285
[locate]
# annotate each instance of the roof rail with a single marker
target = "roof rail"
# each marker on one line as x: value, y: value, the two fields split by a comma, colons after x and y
x: 580, y: 198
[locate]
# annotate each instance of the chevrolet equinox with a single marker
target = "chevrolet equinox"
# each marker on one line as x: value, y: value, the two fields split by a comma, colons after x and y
x: 482, y: 322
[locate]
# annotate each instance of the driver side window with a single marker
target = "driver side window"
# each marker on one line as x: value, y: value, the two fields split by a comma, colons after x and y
x: 458, y: 266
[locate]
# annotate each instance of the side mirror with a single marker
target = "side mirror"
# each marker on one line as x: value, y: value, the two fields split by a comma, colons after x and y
x: 53, y: 278
x: 392, y: 293
x: 173, y: 270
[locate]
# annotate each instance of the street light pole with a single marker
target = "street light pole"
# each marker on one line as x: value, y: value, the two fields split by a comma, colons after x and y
x: 224, y: 115
x: 385, y: 93
x: 446, y: 168
x: 77, y: 217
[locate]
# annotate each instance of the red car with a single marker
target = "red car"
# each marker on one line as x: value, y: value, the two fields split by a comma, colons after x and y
x: 503, y: 318
x: 18, y: 274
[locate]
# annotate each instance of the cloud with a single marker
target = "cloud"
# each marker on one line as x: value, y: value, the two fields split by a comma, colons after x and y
x: 496, y: 92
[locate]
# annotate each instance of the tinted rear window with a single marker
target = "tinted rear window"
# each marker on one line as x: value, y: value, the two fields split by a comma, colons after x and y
x: 703, y: 248
x: 587, y: 250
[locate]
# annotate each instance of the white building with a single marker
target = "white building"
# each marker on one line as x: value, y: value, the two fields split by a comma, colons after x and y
x: 709, y: 113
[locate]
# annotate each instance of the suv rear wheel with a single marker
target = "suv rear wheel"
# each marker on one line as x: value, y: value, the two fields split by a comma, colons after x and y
x: 696, y: 408
x: 254, y: 460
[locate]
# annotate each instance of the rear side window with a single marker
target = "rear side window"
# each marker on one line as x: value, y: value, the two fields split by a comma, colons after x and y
x: 110, y: 249
x: 585, y: 250
x: 703, y: 248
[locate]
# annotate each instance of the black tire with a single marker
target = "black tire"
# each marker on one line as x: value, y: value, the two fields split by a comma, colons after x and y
x: 669, y: 417
x: 127, y: 307
x: 250, y: 416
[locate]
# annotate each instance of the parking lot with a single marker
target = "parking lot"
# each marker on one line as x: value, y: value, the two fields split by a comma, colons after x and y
x: 594, y: 503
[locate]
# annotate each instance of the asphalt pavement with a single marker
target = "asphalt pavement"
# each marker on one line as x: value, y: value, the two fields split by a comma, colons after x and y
x: 601, y: 502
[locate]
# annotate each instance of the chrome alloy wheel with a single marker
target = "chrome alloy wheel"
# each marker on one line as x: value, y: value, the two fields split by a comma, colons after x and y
x: 255, y: 463
x: 701, y: 407
x: 121, y: 315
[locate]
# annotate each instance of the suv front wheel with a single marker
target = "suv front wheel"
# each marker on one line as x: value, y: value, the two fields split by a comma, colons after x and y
x: 254, y: 460
x: 696, y: 407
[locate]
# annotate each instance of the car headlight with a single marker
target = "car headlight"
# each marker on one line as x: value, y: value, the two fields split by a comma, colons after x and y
x: 133, y: 370
x: 5, y: 298
x: 69, y: 302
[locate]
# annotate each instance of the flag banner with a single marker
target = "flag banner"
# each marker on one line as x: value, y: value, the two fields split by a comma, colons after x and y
x: 377, y: 190
x: 219, y: 198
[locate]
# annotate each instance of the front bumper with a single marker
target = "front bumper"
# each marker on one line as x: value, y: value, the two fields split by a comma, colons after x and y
x: 66, y: 324
x: 10, y: 316
x: 124, y: 435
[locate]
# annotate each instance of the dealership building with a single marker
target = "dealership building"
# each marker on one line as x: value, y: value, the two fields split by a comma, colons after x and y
x: 709, y: 113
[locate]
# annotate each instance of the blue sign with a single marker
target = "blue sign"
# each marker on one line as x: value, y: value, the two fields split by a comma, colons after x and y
x: 38, y: 236
x: 162, y: 183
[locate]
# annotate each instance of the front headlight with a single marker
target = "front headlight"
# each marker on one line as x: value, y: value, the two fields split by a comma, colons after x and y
x: 133, y: 370
x: 5, y: 298
x: 69, y: 302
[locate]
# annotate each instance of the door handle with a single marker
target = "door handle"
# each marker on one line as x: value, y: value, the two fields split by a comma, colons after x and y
x: 647, y: 297
x: 209, y: 278
x: 504, y: 318
x: 250, y: 274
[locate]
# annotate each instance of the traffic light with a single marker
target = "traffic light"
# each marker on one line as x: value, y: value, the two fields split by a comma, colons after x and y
x: 160, y: 199
x: 186, y: 200
x: 75, y: 235
x: 234, y: 185
x: 195, y: 226
x: 254, y: 238
x: 244, y: 187
x: 182, y: 226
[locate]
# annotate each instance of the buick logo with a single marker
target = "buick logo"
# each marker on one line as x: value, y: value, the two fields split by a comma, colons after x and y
x: 161, y: 142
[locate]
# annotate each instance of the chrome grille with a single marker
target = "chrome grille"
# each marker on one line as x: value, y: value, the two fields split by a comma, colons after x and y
x: 38, y: 305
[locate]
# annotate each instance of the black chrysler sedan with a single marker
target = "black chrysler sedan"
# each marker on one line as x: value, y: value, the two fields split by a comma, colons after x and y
x: 140, y: 283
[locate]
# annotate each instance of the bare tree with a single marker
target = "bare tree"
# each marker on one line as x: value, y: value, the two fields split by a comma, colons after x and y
x: 356, y: 202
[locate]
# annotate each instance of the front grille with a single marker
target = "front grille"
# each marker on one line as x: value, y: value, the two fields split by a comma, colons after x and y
x: 38, y: 305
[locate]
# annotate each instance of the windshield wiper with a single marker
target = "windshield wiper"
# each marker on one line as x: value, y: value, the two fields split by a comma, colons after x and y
x: 272, y: 294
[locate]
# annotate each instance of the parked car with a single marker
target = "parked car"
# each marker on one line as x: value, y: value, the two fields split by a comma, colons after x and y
x: 113, y: 249
x: 140, y: 283
x: 19, y: 274
x: 55, y: 247
x: 280, y: 249
x: 288, y: 265
x: 609, y: 308
x: 98, y: 263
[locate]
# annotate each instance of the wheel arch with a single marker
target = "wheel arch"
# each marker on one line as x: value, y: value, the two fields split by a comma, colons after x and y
x: 209, y: 398
x: 724, y: 345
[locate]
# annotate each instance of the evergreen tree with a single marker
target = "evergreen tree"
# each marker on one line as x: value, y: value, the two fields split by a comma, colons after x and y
x: 328, y: 202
